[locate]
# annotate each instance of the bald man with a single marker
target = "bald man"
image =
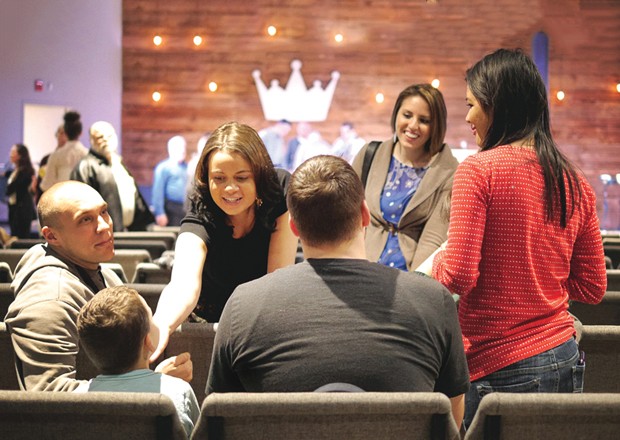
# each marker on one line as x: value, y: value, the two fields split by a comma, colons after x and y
x: 103, y: 169
x: 54, y: 280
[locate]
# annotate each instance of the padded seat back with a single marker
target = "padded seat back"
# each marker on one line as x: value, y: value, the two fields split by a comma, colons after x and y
x: 509, y: 416
x: 94, y: 416
x: 351, y: 416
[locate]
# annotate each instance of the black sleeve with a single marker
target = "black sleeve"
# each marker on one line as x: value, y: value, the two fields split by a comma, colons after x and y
x: 196, y: 224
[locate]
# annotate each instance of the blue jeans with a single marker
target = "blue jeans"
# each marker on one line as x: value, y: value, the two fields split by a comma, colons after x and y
x: 559, y: 370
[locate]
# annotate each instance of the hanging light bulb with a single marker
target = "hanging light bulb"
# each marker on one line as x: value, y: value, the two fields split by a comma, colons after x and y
x: 156, y: 96
x: 272, y: 31
x: 157, y: 40
x: 560, y: 95
x: 338, y: 38
x: 197, y: 40
x: 435, y: 83
x: 379, y: 97
x: 213, y: 86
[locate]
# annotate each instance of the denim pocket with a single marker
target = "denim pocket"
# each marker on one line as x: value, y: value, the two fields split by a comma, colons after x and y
x: 531, y: 386
x: 578, y: 372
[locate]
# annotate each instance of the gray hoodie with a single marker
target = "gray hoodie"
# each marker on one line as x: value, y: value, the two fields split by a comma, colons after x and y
x: 49, y: 293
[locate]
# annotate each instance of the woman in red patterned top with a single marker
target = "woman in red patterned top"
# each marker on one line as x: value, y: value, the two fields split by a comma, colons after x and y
x: 524, y: 239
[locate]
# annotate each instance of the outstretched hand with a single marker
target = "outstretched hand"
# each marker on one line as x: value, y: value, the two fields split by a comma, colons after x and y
x: 180, y: 366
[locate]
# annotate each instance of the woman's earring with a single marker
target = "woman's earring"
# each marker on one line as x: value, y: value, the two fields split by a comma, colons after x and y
x: 259, y: 202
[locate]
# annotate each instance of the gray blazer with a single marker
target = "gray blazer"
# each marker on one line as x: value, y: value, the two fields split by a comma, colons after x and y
x: 423, y: 226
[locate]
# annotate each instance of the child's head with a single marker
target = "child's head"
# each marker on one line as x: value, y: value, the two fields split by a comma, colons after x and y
x: 113, y: 329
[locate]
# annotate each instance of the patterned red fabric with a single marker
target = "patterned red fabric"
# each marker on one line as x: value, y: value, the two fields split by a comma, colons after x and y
x: 514, y: 271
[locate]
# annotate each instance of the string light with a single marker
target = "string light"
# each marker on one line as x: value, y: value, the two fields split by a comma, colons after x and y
x: 156, y: 96
x: 338, y: 38
x: 213, y: 86
x: 157, y: 40
x: 272, y: 30
x: 560, y: 95
x: 435, y: 83
x: 379, y: 97
x: 618, y: 87
x: 197, y: 40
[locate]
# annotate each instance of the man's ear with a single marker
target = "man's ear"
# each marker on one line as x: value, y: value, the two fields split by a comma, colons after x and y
x: 291, y: 223
x: 365, y: 214
x: 49, y: 235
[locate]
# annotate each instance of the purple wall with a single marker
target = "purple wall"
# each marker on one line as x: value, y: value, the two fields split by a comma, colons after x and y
x: 75, y: 45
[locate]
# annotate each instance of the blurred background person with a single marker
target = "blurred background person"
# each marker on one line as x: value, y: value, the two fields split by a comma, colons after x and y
x: 104, y: 170
x: 18, y: 190
x: 310, y: 146
x: 169, y: 184
x: 191, y: 168
x: 409, y: 181
x: 61, y: 139
x: 349, y: 143
x: 62, y: 161
x: 274, y: 138
x: 303, y: 130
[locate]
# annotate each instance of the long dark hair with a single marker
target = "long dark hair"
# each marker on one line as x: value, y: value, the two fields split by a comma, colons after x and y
x: 24, y: 164
x: 243, y: 140
x: 511, y: 92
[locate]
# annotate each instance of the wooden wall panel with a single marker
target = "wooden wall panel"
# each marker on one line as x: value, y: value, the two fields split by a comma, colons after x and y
x: 387, y: 46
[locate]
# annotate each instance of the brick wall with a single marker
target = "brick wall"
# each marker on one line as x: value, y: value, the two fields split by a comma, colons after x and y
x: 387, y: 46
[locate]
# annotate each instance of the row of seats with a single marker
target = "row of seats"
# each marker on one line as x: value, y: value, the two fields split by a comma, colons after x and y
x: 301, y: 416
x: 600, y: 343
x: 131, y: 265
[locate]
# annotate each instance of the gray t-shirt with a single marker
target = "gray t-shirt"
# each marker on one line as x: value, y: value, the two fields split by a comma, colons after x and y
x: 339, y: 320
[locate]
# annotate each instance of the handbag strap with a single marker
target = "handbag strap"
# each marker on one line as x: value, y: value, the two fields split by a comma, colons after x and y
x: 368, y: 156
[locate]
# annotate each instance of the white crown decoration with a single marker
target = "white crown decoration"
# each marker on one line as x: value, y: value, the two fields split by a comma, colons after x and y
x: 296, y: 103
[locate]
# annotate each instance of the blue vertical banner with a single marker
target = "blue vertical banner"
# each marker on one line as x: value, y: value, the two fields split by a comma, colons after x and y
x: 540, y: 54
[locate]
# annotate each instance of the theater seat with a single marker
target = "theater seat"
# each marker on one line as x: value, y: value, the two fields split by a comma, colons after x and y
x: 151, y: 273
x: 351, y: 416
x: 607, y: 312
x: 601, y: 344
x: 8, y: 375
x: 92, y: 416
x: 197, y: 339
x: 518, y: 416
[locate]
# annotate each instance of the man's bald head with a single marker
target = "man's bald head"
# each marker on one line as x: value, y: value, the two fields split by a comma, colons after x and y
x: 76, y: 224
x: 103, y: 138
x: 53, y: 202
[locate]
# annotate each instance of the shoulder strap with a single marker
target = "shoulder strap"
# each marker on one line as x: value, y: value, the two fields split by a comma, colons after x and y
x: 368, y: 156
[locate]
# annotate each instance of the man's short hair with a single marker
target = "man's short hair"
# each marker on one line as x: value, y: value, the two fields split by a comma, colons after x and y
x: 50, y: 205
x: 324, y: 198
x: 112, y: 327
